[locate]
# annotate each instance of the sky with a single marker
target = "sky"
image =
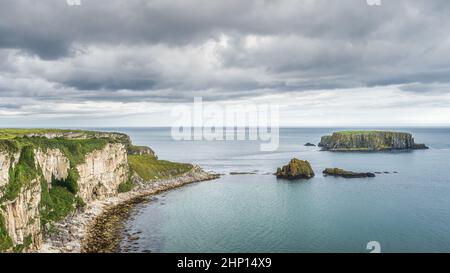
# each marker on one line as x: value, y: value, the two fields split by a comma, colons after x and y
x: 109, y: 63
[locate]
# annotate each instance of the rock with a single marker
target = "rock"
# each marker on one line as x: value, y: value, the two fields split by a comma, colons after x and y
x: 241, y: 173
x: 133, y: 238
x: 296, y: 169
x: 346, y: 174
x: 310, y: 144
x: 140, y: 150
x: 369, y: 141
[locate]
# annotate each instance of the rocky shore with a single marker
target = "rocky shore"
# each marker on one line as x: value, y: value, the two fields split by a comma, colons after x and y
x: 96, y: 228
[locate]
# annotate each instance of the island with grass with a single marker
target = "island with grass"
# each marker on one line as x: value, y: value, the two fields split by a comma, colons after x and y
x: 369, y: 141
x: 50, y: 175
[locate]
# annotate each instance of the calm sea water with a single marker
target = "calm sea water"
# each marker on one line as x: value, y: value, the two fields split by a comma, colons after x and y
x: 407, y: 211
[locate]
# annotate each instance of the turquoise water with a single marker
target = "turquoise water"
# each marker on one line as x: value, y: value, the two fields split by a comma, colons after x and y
x: 407, y: 211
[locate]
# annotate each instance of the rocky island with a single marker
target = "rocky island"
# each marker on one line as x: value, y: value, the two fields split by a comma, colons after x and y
x: 369, y: 141
x: 296, y: 169
x: 53, y: 183
x: 346, y: 174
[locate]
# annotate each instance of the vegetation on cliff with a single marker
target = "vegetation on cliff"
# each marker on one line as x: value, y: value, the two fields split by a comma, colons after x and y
x: 369, y: 141
x: 5, y: 241
x: 296, y: 169
x: 21, y: 175
x: 149, y: 168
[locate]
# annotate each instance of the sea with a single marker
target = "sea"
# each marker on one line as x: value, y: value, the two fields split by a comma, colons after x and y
x: 405, y: 208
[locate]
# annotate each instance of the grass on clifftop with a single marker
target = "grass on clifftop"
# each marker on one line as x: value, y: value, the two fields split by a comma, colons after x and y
x: 149, y: 168
x: 350, y: 132
x: 10, y: 133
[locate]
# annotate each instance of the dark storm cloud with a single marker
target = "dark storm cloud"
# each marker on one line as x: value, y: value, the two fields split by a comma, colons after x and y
x: 140, y: 50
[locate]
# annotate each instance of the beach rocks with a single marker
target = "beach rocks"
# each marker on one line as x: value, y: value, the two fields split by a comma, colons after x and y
x: 296, y: 169
x: 310, y: 145
x: 346, y: 174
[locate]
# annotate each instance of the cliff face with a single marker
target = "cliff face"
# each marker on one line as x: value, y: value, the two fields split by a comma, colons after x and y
x: 22, y: 220
x: 369, y: 141
x: 103, y: 172
x: 53, y: 163
x: 42, y: 180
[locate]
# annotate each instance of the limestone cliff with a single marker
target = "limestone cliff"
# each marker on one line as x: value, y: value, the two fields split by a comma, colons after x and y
x: 103, y: 172
x: 46, y: 176
x: 369, y: 141
x: 53, y: 163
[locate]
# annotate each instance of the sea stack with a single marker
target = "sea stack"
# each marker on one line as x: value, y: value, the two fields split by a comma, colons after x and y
x: 296, y: 169
x: 369, y: 141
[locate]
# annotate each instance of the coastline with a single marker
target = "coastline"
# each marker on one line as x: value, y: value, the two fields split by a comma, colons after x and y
x: 104, y: 218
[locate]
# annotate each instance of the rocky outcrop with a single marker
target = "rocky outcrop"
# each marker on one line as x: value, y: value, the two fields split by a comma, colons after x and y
x: 22, y: 219
x: 141, y: 150
x: 296, y: 169
x: 346, y: 174
x: 353, y: 141
x: 6, y: 161
x: 310, y: 145
x: 103, y: 172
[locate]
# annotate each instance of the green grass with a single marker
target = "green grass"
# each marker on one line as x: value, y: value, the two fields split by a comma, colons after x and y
x: 350, y: 132
x: 126, y: 186
x: 74, y: 149
x: 359, y: 132
x: 149, y: 168
x: 5, y: 240
x: 56, y: 203
x: 21, y: 175
x: 10, y: 133
x: 28, y: 240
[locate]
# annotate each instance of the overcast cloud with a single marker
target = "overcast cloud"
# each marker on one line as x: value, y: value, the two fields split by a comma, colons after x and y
x: 327, y: 62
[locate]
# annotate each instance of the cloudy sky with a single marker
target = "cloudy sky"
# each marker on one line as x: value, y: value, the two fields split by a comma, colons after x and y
x: 127, y: 63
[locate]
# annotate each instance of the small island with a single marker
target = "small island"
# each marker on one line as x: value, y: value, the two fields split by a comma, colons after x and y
x: 296, y: 169
x: 369, y: 141
x: 346, y: 174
